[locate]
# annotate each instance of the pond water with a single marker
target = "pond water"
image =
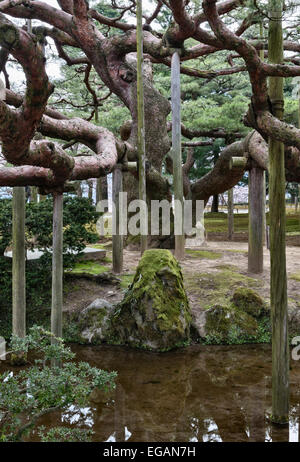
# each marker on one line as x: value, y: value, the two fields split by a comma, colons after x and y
x: 201, y: 393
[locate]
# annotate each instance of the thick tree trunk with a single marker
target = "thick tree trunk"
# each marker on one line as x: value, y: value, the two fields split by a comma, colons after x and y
x: 256, y: 220
x: 215, y: 204
x: 280, y: 345
x: 57, y: 268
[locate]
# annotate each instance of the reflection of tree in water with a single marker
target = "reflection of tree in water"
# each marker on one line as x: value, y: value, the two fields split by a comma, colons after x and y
x: 198, y: 394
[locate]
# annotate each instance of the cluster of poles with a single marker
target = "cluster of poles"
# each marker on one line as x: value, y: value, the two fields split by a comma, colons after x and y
x: 280, y: 344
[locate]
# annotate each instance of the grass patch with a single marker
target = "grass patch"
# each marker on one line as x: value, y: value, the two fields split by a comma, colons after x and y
x: 204, y: 254
x: 227, y: 266
x: 105, y: 246
x: 295, y: 276
x: 217, y: 222
x: 236, y: 251
x: 90, y: 267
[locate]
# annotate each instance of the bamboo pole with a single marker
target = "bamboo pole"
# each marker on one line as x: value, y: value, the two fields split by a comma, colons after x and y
x: 230, y: 214
x: 57, y: 268
x: 256, y: 220
x: 280, y: 345
x: 177, y: 156
x: 141, y: 126
x: 117, y: 238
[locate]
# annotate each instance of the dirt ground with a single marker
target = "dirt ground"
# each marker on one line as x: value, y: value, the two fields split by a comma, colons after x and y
x: 229, y: 255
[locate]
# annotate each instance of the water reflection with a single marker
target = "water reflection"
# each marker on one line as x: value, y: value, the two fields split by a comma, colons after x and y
x: 203, y: 393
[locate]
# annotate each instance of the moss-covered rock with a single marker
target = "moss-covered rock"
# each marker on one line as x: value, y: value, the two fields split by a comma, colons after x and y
x: 249, y: 301
x: 154, y: 313
x: 94, y: 321
x: 225, y: 324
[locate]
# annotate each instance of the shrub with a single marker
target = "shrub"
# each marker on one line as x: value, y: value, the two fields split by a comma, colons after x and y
x: 41, y: 389
x: 79, y: 213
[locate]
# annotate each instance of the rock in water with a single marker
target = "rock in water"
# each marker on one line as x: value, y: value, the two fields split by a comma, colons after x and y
x: 154, y: 313
x: 94, y: 321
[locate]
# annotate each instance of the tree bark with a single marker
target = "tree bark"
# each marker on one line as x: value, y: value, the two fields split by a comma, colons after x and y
x: 215, y: 204
x: 280, y: 345
x: 256, y: 220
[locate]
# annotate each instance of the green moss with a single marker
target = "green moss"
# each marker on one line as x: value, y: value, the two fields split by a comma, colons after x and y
x: 227, y: 266
x: 208, y: 254
x: 226, y: 324
x: 126, y: 280
x: 155, y: 309
x: 9, y: 35
x: 217, y: 222
x: 90, y: 267
x: 295, y: 276
x: 249, y: 301
x: 218, y: 287
x: 147, y: 283
x: 93, y: 317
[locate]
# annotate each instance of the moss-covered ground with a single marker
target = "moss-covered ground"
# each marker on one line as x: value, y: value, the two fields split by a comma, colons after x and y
x: 89, y: 267
x: 217, y: 222
x: 210, y: 255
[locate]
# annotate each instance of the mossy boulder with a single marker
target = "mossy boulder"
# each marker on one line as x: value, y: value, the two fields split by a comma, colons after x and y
x: 249, y: 301
x: 225, y: 324
x: 154, y: 313
x: 94, y: 321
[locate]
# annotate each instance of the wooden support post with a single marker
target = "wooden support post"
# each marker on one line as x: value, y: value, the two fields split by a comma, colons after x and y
x: 177, y: 156
x: 264, y: 209
x: 141, y: 125
x: 280, y: 345
x: 256, y: 220
x: 34, y: 194
x: 230, y: 214
x: 18, y: 263
x: 90, y: 189
x: 98, y: 190
x: 57, y: 268
x: 117, y: 239
x: 262, y: 57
